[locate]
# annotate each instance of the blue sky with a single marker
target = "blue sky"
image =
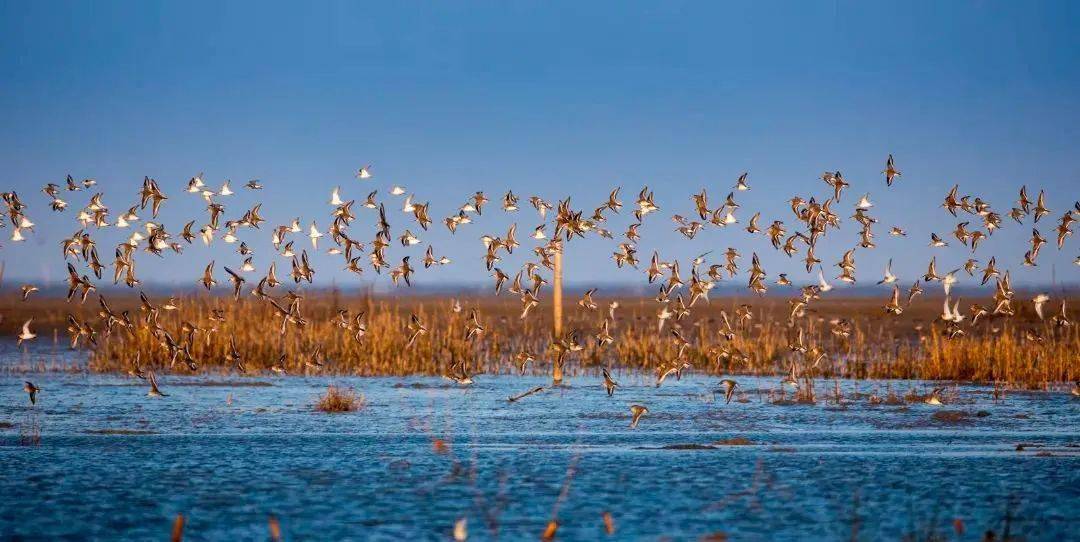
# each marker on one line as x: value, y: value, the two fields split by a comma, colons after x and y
x: 556, y: 99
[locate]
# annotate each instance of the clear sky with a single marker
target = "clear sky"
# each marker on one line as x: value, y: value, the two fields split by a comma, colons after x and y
x: 548, y: 98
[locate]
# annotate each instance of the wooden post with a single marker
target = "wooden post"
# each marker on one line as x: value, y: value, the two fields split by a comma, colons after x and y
x: 557, y: 293
x: 557, y: 370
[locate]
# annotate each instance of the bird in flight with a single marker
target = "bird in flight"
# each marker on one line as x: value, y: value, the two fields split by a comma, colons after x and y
x: 31, y: 390
x: 609, y: 383
x: 728, y: 385
x: 890, y: 171
x: 26, y: 334
x: 154, y: 391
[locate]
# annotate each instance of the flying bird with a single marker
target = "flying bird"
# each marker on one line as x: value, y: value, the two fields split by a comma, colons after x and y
x: 609, y: 383
x: 637, y: 411
x: 154, y: 391
x: 890, y: 171
x: 26, y: 334
x: 31, y: 390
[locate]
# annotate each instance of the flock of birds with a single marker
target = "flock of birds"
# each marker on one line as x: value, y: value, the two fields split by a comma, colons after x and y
x: 812, y: 219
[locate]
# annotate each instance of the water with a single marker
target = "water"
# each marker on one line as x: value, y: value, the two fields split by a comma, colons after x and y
x: 228, y: 452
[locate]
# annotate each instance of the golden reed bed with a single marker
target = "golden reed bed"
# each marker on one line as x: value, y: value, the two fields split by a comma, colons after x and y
x: 1022, y: 350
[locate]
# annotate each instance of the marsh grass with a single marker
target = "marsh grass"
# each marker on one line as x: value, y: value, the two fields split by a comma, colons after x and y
x: 909, y: 346
x: 338, y: 399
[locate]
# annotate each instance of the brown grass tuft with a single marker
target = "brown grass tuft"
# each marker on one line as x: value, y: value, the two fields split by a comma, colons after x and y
x: 337, y: 399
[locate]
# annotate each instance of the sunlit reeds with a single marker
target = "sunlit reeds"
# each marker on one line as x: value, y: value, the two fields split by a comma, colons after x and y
x: 856, y: 339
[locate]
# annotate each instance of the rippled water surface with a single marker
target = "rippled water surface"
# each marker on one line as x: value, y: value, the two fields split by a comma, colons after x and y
x: 228, y: 452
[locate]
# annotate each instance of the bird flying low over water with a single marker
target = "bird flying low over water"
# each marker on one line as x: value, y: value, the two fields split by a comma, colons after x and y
x: 609, y: 383
x: 792, y: 379
x: 520, y: 396
x: 456, y: 372
x: 637, y: 411
x: 728, y: 385
x: 935, y: 397
x: 154, y: 391
x: 26, y: 334
x: 32, y: 391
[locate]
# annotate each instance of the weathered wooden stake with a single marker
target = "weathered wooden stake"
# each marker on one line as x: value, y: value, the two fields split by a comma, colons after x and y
x: 557, y: 294
x: 557, y: 370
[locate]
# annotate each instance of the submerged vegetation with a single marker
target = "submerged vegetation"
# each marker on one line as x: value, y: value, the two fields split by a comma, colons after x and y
x: 338, y: 399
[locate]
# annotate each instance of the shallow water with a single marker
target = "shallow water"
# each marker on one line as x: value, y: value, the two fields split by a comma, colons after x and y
x: 228, y: 452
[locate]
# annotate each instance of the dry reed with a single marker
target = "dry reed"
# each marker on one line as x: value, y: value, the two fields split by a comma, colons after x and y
x: 338, y: 399
x: 858, y: 340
